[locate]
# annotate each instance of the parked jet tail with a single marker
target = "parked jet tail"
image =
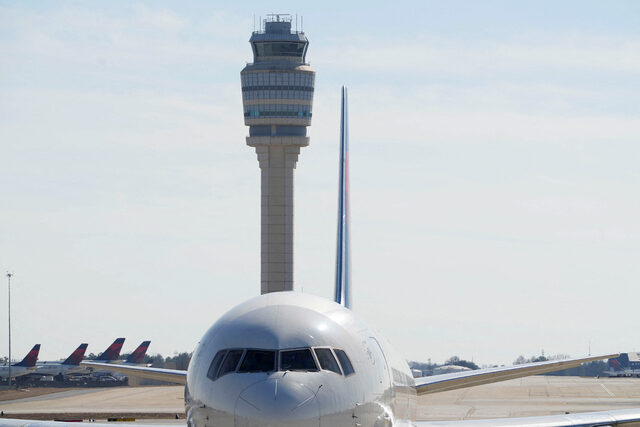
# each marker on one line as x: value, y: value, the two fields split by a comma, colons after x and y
x: 76, y: 357
x: 620, y: 363
x: 615, y: 365
x: 139, y: 353
x: 31, y: 358
x: 113, y: 352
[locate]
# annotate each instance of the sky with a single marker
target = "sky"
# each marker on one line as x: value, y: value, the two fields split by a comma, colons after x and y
x: 494, y: 167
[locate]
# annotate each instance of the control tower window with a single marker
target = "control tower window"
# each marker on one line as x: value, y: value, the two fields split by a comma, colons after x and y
x: 347, y: 367
x: 297, y: 360
x: 277, y: 79
x: 215, y: 364
x: 278, y: 110
x: 258, y: 361
x: 327, y: 360
x: 280, y: 49
x: 230, y: 362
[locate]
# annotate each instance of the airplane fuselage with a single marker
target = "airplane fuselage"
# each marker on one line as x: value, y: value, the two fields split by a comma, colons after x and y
x: 16, y: 371
x: 295, y: 359
x: 82, y: 369
x: 55, y: 368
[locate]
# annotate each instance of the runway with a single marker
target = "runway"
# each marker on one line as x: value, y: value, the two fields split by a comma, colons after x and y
x: 539, y: 395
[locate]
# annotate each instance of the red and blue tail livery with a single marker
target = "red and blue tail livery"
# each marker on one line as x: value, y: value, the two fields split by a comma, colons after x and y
x: 31, y: 358
x: 76, y: 357
x: 615, y: 365
x: 113, y: 351
x: 138, y: 354
x: 620, y: 363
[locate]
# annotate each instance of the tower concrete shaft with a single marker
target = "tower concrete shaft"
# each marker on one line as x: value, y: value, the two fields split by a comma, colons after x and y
x: 276, y: 168
x: 277, y: 95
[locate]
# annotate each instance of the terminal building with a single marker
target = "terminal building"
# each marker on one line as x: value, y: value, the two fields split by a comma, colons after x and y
x: 277, y: 97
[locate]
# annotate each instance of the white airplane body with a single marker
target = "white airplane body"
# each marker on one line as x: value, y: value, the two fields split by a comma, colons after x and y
x: 291, y: 344
x: 16, y: 371
x: 55, y: 368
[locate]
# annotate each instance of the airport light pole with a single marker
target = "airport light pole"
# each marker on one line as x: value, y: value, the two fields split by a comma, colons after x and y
x: 9, y: 361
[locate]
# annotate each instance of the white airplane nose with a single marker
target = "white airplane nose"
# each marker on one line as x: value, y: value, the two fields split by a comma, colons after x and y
x: 277, y: 402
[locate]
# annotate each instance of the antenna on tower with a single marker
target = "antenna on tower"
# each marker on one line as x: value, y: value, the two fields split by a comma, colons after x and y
x: 296, y: 22
x: 302, y: 23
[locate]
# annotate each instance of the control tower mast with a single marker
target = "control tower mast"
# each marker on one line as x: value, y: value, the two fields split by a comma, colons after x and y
x: 277, y: 96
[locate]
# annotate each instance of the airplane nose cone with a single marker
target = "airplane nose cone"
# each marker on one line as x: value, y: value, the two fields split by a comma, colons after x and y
x: 277, y: 402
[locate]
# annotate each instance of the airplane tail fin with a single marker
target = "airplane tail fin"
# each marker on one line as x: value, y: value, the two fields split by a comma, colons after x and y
x: 31, y: 358
x: 113, y: 351
x: 343, y: 250
x: 615, y: 365
x: 76, y: 357
x: 620, y: 363
x: 139, y: 353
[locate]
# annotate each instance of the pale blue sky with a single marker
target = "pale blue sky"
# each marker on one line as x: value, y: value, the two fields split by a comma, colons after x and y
x: 495, y: 178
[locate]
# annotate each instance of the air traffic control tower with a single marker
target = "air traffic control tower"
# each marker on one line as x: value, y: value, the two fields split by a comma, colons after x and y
x: 277, y: 96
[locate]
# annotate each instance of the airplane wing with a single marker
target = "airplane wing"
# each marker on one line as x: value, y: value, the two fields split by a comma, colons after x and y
x: 169, y: 375
x: 456, y: 380
x: 624, y: 417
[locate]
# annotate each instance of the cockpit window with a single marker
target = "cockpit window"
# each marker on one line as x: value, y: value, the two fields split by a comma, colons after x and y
x: 258, y: 361
x: 327, y: 361
x: 301, y: 359
x: 230, y: 362
x: 215, y: 364
x: 347, y: 367
x: 297, y: 360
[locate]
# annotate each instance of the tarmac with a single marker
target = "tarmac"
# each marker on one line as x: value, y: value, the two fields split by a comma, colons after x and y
x: 94, y: 403
x: 531, y: 396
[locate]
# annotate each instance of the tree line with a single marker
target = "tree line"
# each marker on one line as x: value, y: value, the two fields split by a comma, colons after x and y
x: 589, y: 369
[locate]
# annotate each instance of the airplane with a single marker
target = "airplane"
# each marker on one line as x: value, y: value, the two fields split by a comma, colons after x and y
x: 138, y: 354
x: 110, y: 355
x: 71, y: 364
x: 617, y: 370
x: 625, y: 365
x: 112, y: 352
x: 24, y: 367
x: 294, y: 359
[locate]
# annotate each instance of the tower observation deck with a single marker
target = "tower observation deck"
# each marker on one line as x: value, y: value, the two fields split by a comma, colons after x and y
x: 277, y: 96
